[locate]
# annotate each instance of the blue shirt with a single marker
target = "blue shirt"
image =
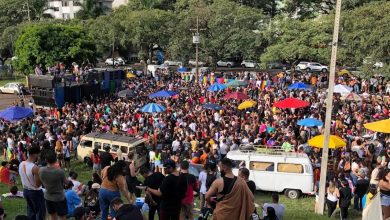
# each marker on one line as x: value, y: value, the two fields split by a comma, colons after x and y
x: 73, y: 201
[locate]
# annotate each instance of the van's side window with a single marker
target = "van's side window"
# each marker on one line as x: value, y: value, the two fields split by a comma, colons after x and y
x: 86, y: 143
x: 115, y: 148
x: 290, y: 168
x: 105, y: 145
x: 262, y: 166
x: 98, y: 145
x: 124, y: 149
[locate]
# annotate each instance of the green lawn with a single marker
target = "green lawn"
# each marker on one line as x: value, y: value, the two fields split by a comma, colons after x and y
x: 21, y: 79
x: 300, y: 209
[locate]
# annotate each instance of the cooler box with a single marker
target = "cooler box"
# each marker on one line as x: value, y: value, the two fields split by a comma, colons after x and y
x: 139, y: 202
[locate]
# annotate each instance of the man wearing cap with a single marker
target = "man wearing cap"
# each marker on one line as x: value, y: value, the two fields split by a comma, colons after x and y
x: 32, y: 190
x: 171, y: 191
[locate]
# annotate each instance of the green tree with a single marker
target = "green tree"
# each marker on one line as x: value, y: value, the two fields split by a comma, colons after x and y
x: 229, y: 30
x: 90, y: 9
x: 48, y: 44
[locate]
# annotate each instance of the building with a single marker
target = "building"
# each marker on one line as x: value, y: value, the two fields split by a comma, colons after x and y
x: 66, y: 9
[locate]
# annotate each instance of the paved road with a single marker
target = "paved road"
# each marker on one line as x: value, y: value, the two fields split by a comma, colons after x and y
x: 7, y: 100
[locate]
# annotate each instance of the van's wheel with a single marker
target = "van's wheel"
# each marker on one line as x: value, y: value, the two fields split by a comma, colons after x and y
x: 88, y: 161
x: 292, y: 193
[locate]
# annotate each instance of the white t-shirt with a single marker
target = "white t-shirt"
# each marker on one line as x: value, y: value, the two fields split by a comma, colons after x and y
x: 175, y: 145
x: 202, y: 180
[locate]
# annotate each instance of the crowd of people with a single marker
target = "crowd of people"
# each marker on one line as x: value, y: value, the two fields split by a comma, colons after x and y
x: 40, y: 149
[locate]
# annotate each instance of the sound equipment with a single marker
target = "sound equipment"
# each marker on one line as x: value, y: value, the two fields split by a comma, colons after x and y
x: 43, y: 81
x: 43, y: 97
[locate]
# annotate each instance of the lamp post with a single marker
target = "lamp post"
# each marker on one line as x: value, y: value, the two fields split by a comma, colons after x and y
x: 329, y: 107
x: 196, y: 41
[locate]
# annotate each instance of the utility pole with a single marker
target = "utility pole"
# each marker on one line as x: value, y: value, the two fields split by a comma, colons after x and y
x: 329, y: 107
x: 196, y: 41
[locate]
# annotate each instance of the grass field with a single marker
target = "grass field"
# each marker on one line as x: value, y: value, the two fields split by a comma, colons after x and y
x: 300, y: 209
x: 21, y: 79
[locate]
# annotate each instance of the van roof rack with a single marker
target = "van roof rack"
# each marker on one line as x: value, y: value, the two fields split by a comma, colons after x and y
x: 263, y: 149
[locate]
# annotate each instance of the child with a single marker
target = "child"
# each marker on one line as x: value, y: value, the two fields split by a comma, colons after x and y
x: 4, y: 173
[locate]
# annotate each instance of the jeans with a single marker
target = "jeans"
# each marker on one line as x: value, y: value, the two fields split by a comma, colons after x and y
x: 152, y: 211
x: 357, y: 202
x: 105, y: 197
x: 169, y: 215
x: 36, y: 208
x: 331, y: 207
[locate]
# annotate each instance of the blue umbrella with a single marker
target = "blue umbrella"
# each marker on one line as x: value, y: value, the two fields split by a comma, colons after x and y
x: 16, y: 113
x: 310, y: 122
x: 152, y: 107
x: 212, y: 106
x: 182, y: 70
x: 216, y: 87
x: 163, y: 94
x: 299, y: 85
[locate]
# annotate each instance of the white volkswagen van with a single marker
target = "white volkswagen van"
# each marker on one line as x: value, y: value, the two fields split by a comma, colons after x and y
x: 276, y: 171
x: 100, y: 141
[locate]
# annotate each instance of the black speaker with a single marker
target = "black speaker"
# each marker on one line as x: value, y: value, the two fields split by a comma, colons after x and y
x: 41, y: 81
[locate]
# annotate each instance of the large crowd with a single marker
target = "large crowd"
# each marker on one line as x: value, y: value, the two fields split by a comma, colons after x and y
x: 41, y: 149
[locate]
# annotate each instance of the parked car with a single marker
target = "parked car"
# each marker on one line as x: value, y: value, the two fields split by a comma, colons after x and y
x: 375, y: 64
x: 249, y: 64
x: 312, y: 66
x: 226, y: 63
x: 13, y: 88
x: 193, y: 63
x: 302, y: 65
x: 278, y: 65
x: 119, y: 61
x: 172, y: 63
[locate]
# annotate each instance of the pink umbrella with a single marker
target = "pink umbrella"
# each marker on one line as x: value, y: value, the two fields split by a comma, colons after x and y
x: 291, y: 103
x: 236, y: 95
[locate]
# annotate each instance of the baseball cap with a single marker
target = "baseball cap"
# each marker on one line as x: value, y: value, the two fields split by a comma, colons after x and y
x: 169, y: 164
x: 95, y: 186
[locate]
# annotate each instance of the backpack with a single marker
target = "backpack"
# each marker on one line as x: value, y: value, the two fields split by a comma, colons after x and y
x: 91, y: 199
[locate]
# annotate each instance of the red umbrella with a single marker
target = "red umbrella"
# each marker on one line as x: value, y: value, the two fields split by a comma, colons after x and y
x: 236, y: 95
x: 291, y: 103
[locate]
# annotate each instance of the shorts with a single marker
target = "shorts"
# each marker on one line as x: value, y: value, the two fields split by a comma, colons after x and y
x: 59, y: 208
x: 67, y: 159
x: 385, y: 200
x: 97, y: 167
x: 187, y: 209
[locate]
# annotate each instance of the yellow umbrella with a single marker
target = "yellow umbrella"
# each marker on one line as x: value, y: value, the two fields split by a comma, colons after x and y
x: 246, y: 104
x: 334, y: 141
x: 379, y: 126
x: 130, y: 75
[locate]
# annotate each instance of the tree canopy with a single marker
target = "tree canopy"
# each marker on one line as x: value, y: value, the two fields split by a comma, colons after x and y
x: 49, y: 44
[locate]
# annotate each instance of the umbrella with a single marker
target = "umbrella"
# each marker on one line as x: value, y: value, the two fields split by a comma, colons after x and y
x: 163, y: 94
x: 334, y: 141
x: 212, y: 106
x: 236, y: 83
x: 382, y: 126
x: 130, y: 75
x: 236, y: 95
x: 16, y: 113
x: 182, y: 70
x: 127, y: 93
x: 310, y: 122
x: 216, y: 87
x: 246, y: 104
x: 152, y: 107
x: 299, y: 85
x: 342, y: 89
x: 291, y: 103
x: 351, y: 97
